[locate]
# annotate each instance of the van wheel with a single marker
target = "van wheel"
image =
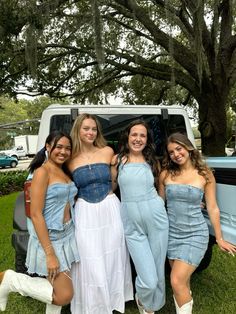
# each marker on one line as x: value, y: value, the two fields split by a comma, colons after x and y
x: 208, y: 255
x: 20, y: 263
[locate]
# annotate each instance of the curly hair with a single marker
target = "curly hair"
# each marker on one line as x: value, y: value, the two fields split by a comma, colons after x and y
x: 148, y: 152
x: 195, y: 157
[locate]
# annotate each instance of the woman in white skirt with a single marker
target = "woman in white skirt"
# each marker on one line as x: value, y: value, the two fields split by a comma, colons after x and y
x: 102, y: 280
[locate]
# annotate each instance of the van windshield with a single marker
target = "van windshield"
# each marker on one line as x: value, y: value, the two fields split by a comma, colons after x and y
x: 113, y: 125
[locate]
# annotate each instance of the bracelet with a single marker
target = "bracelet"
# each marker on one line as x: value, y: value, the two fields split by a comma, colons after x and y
x: 48, y: 246
x: 220, y: 239
x: 49, y: 250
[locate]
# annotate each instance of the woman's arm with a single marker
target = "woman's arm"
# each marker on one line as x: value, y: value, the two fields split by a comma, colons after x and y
x: 214, y: 214
x: 38, y: 192
x: 161, y: 184
x: 114, y: 172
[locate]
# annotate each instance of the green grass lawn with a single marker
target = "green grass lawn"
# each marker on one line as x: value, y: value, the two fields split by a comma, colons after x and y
x: 214, y: 289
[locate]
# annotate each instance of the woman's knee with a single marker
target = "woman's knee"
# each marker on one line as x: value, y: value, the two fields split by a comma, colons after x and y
x: 63, y: 290
x: 63, y: 298
x: 150, y: 283
x: 176, y: 282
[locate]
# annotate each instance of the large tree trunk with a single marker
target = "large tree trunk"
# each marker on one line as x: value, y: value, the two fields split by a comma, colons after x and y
x: 213, y: 122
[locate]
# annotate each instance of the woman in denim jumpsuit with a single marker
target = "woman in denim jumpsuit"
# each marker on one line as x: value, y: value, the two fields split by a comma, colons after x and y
x: 102, y: 280
x: 143, y: 214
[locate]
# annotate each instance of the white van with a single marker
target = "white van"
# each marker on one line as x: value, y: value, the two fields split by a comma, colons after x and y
x: 162, y: 121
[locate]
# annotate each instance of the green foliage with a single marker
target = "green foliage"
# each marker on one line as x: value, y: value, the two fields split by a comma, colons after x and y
x: 90, y: 50
x: 6, y: 213
x: 11, y: 181
x: 23, y: 115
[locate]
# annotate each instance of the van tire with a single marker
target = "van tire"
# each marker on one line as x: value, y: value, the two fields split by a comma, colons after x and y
x: 20, y: 263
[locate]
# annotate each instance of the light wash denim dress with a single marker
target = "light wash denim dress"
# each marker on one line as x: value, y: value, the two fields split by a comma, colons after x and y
x: 146, y: 230
x: 188, y: 230
x: 62, y: 235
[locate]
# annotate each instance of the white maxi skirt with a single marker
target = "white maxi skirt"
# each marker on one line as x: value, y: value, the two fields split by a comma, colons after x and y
x: 102, y: 279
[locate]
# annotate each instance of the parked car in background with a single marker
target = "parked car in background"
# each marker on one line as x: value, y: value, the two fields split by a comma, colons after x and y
x: 16, y: 152
x: 8, y: 161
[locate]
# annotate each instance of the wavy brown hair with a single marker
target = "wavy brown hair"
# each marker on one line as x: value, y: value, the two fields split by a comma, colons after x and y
x: 99, y: 141
x: 195, y: 156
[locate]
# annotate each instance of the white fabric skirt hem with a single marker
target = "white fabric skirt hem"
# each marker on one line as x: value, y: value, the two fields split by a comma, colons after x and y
x: 102, y: 280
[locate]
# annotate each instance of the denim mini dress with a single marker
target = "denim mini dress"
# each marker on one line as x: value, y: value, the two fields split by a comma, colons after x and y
x: 62, y: 235
x: 188, y: 230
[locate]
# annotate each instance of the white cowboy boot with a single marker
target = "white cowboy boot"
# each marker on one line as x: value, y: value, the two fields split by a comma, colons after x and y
x: 34, y: 287
x: 185, y: 308
x: 176, y: 305
x: 53, y: 309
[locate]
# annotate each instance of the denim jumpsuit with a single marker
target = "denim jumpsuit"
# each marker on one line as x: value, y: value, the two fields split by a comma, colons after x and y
x: 146, y: 230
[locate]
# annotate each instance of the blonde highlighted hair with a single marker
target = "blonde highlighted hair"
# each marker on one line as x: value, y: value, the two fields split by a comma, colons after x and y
x: 75, y: 133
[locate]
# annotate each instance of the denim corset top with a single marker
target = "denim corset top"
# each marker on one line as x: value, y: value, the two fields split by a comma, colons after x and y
x: 93, y: 181
x: 57, y: 197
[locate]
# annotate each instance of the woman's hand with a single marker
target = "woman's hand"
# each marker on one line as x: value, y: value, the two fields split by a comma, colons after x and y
x: 226, y: 246
x: 53, y: 266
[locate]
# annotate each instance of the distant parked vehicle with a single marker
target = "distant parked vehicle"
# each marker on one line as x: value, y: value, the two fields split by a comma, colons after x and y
x: 16, y: 152
x: 24, y: 146
x: 28, y: 144
x: 8, y: 161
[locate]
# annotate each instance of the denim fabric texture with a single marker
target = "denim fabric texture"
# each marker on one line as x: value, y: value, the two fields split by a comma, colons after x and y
x: 64, y: 245
x: 93, y: 181
x: 146, y: 230
x: 57, y: 197
x: 62, y: 235
x: 188, y: 230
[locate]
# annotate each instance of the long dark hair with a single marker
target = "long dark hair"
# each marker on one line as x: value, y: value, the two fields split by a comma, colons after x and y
x: 148, y: 152
x: 40, y: 157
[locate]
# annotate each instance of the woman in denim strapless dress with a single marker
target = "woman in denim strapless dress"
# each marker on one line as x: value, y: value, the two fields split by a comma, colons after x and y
x: 52, y: 247
x: 188, y: 230
x: 183, y: 182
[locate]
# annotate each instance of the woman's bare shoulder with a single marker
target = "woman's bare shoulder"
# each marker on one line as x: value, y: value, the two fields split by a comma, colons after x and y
x: 108, y: 151
x: 163, y: 172
x: 41, y: 174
